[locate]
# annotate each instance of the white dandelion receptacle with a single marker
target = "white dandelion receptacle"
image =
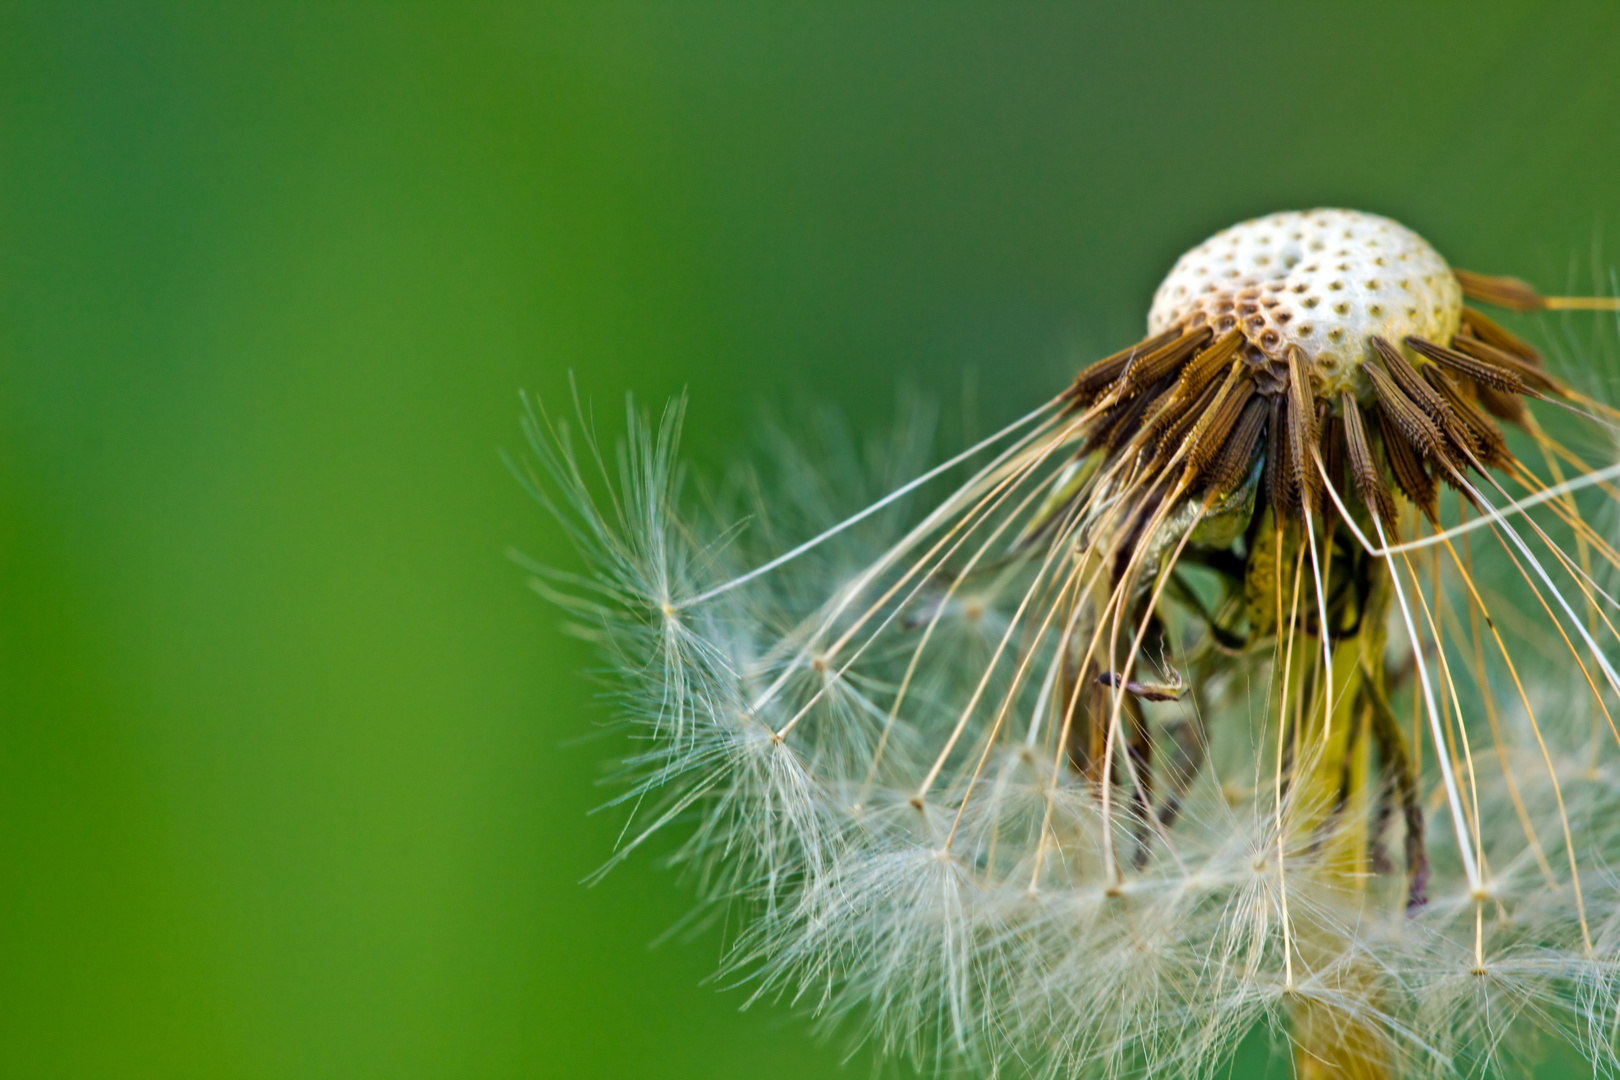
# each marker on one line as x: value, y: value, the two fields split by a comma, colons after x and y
x: 1219, y: 690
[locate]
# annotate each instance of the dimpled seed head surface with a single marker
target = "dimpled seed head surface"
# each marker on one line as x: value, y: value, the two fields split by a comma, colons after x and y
x: 1325, y: 280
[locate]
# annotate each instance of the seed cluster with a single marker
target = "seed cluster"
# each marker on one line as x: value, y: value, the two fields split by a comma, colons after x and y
x: 1276, y: 339
x: 1326, y: 281
x: 1239, y: 401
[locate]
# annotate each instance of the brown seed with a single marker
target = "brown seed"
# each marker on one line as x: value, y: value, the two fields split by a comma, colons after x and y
x: 1232, y: 464
x: 1331, y: 443
x: 1534, y: 377
x: 1208, y: 440
x: 1208, y: 365
x: 1121, y: 422
x: 1486, y: 329
x: 1503, y: 292
x: 1425, y: 397
x: 1406, y: 463
x: 1364, y: 471
x: 1395, y: 406
x: 1480, y: 371
x: 1146, y: 370
x: 1279, y: 489
x: 1195, y: 378
x: 1091, y: 382
x: 1500, y: 405
x: 1302, y: 435
x: 1183, y: 422
x: 1487, y: 440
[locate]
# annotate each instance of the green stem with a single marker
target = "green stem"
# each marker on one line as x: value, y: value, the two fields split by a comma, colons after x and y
x: 1328, y: 814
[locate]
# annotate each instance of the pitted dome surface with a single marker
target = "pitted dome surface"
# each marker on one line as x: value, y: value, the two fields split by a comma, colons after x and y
x: 1324, y: 280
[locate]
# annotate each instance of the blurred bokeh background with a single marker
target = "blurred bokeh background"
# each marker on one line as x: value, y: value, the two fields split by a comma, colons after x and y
x: 294, y: 772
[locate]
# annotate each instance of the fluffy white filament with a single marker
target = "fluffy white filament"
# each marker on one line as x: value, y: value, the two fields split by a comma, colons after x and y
x: 922, y: 868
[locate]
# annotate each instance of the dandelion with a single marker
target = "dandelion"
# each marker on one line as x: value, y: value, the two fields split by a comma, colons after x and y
x: 1262, y: 676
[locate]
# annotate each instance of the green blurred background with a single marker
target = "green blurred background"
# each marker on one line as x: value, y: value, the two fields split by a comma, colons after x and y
x: 294, y: 771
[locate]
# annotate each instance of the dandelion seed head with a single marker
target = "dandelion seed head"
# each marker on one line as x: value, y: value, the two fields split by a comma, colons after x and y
x: 1324, y: 281
x: 1260, y: 677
